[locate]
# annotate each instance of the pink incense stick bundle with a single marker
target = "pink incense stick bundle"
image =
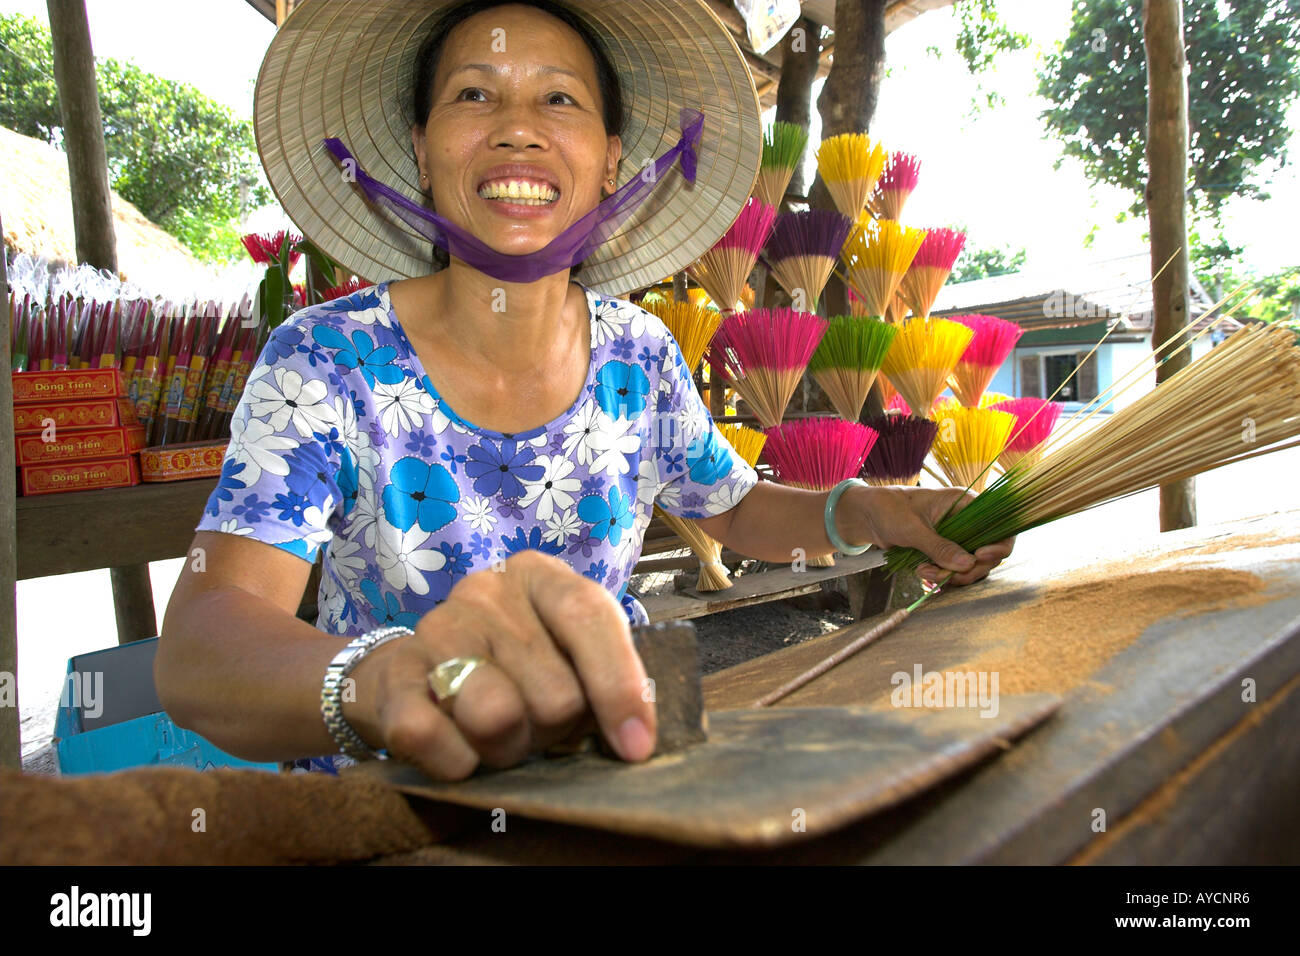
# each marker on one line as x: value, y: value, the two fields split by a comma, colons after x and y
x: 803, y: 251
x: 817, y: 454
x: 899, y: 453
x: 897, y: 405
x: 930, y: 269
x: 762, y: 354
x: 993, y: 341
x: 1035, y: 419
x: 724, y: 268
x: 896, y: 183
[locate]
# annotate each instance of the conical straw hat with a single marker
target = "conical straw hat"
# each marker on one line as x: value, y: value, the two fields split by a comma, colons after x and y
x: 343, y: 67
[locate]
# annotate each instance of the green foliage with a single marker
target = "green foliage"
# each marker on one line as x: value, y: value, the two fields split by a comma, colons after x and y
x: 980, y: 263
x: 982, y: 36
x: 184, y: 160
x: 29, y: 100
x: 1219, y: 267
x: 1242, y: 56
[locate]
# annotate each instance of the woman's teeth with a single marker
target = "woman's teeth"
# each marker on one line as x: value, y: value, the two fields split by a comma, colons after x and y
x: 520, y: 192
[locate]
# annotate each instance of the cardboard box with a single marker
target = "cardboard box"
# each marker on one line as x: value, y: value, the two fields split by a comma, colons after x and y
x: 70, y: 416
x: 109, y: 718
x: 80, y: 476
x: 195, y: 459
x: 80, y: 445
x: 69, y: 385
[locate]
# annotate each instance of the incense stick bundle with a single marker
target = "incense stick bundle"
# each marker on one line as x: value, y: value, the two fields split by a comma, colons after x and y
x: 930, y: 269
x: 1168, y: 434
x: 896, y: 405
x: 803, y: 251
x: 876, y: 257
x: 923, y: 355
x: 1035, y: 419
x: 896, y: 183
x: 991, y: 343
x: 896, y: 311
x: 848, y: 358
x: 783, y: 148
x: 857, y: 306
x: 898, y: 454
x: 817, y: 453
x: 713, y: 576
x: 762, y: 354
x: 850, y: 165
x: 691, y: 325
x: 724, y: 269
x: 968, y: 441
x: 993, y: 399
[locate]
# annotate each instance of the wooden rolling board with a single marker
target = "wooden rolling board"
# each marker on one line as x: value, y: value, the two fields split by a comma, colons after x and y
x: 1157, y: 734
x: 745, y: 786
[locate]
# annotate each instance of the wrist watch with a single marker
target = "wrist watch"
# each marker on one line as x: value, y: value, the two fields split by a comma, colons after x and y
x: 331, y: 695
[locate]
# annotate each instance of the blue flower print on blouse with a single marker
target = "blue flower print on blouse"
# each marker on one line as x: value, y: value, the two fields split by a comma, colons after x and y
x: 420, y: 493
x: 708, y: 460
x: 501, y: 468
x: 361, y: 353
x: 610, y: 516
x: 621, y: 389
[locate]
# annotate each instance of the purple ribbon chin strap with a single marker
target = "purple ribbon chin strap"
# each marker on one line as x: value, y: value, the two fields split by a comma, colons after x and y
x: 564, y: 251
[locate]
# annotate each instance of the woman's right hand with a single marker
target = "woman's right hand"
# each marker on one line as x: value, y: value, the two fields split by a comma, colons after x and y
x: 560, y: 650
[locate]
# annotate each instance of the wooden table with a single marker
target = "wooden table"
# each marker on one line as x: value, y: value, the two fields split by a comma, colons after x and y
x: 1161, y: 740
x: 124, y: 529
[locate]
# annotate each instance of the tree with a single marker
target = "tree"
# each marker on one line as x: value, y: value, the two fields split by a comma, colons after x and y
x: 981, y: 37
x: 181, y: 158
x: 982, y: 263
x: 1244, y: 72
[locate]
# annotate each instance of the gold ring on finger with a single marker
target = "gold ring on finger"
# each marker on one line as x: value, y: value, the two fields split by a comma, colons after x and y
x: 446, y: 679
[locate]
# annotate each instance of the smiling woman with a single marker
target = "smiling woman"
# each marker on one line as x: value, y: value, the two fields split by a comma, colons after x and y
x: 474, y: 453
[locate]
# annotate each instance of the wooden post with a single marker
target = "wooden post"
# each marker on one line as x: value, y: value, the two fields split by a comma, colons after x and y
x: 83, y: 134
x: 10, y: 742
x: 92, y: 217
x: 800, y: 57
x: 1166, y: 152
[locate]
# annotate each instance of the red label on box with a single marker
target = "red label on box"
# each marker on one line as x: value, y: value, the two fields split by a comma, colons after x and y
x: 84, y: 445
x: 195, y: 459
x: 68, y: 385
x: 101, y: 413
x: 80, y: 476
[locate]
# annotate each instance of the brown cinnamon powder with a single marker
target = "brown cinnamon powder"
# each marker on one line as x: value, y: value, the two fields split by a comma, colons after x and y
x: 1081, y: 621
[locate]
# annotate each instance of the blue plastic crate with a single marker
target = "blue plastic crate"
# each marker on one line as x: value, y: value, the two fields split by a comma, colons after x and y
x: 145, y: 738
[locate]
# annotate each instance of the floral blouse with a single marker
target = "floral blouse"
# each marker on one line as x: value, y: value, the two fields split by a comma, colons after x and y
x: 340, y: 441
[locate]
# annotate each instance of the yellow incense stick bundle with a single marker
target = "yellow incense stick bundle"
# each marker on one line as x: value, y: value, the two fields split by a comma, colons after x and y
x: 876, y: 258
x: 968, y: 441
x: 924, y: 353
x: 690, y: 324
x: 850, y: 165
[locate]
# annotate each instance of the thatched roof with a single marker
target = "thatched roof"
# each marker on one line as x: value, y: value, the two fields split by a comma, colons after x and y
x: 36, y: 211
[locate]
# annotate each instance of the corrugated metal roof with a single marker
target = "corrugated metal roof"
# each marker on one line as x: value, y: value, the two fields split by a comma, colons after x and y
x: 1072, y: 293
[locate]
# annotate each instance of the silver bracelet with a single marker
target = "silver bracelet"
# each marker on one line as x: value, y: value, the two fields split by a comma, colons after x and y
x: 331, y: 695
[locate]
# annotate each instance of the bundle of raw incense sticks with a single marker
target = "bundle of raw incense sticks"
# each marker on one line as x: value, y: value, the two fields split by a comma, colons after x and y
x: 184, y: 365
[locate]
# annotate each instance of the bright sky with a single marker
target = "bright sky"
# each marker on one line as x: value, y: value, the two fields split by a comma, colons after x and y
x: 992, y: 170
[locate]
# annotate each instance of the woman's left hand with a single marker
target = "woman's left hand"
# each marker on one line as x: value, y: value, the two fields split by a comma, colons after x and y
x: 905, y: 517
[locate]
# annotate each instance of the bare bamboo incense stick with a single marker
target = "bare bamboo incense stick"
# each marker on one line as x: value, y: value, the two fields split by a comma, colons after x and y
x: 844, y: 653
